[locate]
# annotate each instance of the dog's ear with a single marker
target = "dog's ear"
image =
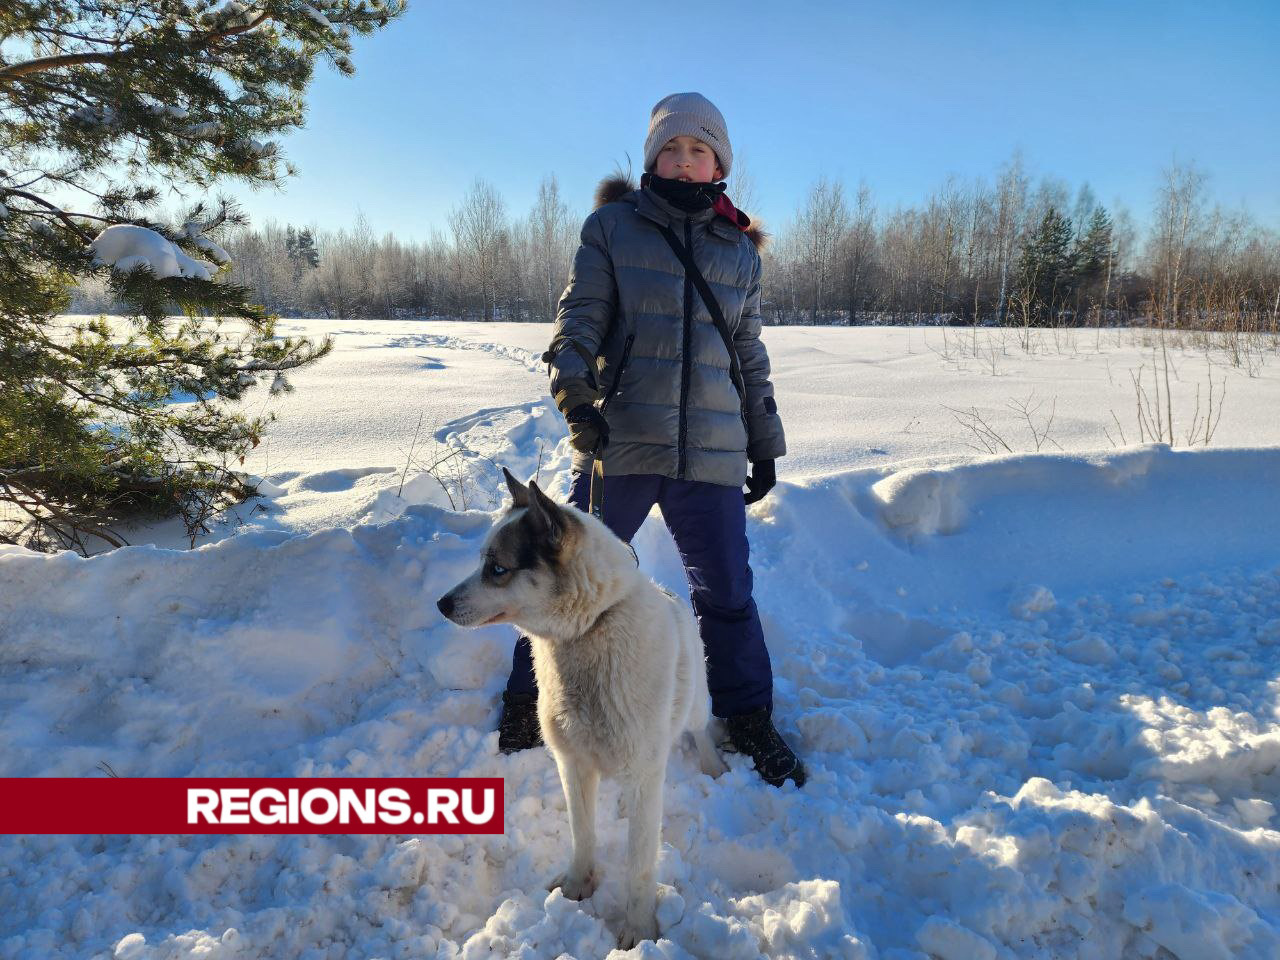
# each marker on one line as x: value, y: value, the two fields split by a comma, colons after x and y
x: 547, y: 517
x: 519, y: 492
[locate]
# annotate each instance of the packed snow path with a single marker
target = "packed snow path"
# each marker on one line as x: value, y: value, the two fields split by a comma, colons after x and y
x: 1037, y: 695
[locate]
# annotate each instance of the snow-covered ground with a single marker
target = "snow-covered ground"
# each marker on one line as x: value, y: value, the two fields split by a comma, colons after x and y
x: 1037, y: 692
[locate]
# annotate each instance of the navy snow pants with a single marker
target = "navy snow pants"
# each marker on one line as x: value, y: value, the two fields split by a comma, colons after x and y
x: 708, y: 522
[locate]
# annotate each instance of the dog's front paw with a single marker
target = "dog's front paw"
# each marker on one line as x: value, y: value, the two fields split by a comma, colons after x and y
x: 712, y: 765
x: 634, y: 932
x: 575, y: 888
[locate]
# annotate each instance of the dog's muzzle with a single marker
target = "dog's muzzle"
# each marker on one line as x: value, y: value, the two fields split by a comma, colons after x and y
x: 445, y: 605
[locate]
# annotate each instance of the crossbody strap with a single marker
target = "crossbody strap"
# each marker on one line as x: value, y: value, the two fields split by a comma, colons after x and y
x: 562, y: 341
x: 595, y: 496
x: 713, y: 307
x: 595, y: 493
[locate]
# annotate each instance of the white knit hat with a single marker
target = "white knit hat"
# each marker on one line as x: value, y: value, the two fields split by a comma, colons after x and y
x: 692, y: 115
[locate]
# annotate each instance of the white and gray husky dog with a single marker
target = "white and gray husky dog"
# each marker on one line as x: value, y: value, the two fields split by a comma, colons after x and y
x: 620, y: 668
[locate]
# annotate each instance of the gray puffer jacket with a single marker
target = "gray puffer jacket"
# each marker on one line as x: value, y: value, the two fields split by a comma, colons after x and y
x: 661, y: 369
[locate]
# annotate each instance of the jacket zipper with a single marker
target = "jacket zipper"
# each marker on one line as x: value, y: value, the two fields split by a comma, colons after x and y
x: 686, y: 360
x: 622, y: 368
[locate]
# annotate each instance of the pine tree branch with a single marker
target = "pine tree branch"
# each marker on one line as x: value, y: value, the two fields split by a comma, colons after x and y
x: 35, y: 503
x: 98, y: 399
x: 58, y: 211
x: 54, y: 31
x: 42, y: 64
x: 68, y: 181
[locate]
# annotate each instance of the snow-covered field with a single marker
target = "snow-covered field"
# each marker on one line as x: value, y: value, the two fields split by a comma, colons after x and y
x: 1037, y: 692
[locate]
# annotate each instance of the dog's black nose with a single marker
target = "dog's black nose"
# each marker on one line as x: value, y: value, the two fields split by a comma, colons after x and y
x: 445, y: 605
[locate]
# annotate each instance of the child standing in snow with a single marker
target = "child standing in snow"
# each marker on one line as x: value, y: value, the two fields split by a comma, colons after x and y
x: 678, y: 400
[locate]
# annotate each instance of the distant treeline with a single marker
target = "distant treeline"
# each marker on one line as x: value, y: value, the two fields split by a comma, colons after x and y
x: 995, y: 252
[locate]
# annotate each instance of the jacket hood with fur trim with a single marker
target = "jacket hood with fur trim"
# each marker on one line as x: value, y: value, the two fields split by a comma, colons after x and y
x: 616, y: 186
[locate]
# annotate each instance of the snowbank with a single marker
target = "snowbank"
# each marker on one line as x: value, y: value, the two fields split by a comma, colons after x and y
x: 1071, y: 521
x: 1037, y: 697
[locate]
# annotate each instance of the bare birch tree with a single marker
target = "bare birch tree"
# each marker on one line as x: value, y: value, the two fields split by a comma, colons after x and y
x: 553, y: 241
x: 479, y: 228
x: 1011, y: 201
x: 820, y: 226
x: 857, y: 248
x: 1177, y: 222
x: 742, y: 186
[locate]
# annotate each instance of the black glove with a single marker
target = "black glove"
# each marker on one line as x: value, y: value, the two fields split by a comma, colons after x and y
x: 588, y: 429
x: 760, y: 481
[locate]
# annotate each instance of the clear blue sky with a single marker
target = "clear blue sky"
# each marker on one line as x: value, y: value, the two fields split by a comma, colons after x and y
x: 896, y: 92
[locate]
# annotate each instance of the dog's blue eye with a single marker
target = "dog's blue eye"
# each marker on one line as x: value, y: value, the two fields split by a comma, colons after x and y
x: 497, y: 569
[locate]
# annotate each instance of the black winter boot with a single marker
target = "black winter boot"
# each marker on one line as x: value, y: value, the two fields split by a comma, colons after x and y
x: 518, y: 727
x: 755, y: 735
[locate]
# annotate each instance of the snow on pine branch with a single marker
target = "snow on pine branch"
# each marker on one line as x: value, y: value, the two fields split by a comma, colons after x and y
x: 194, y: 232
x: 101, y: 115
x: 208, y: 130
x: 258, y: 148
x: 229, y: 13
x: 166, y: 110
x: 126, y: 247
x: 317, y: 16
